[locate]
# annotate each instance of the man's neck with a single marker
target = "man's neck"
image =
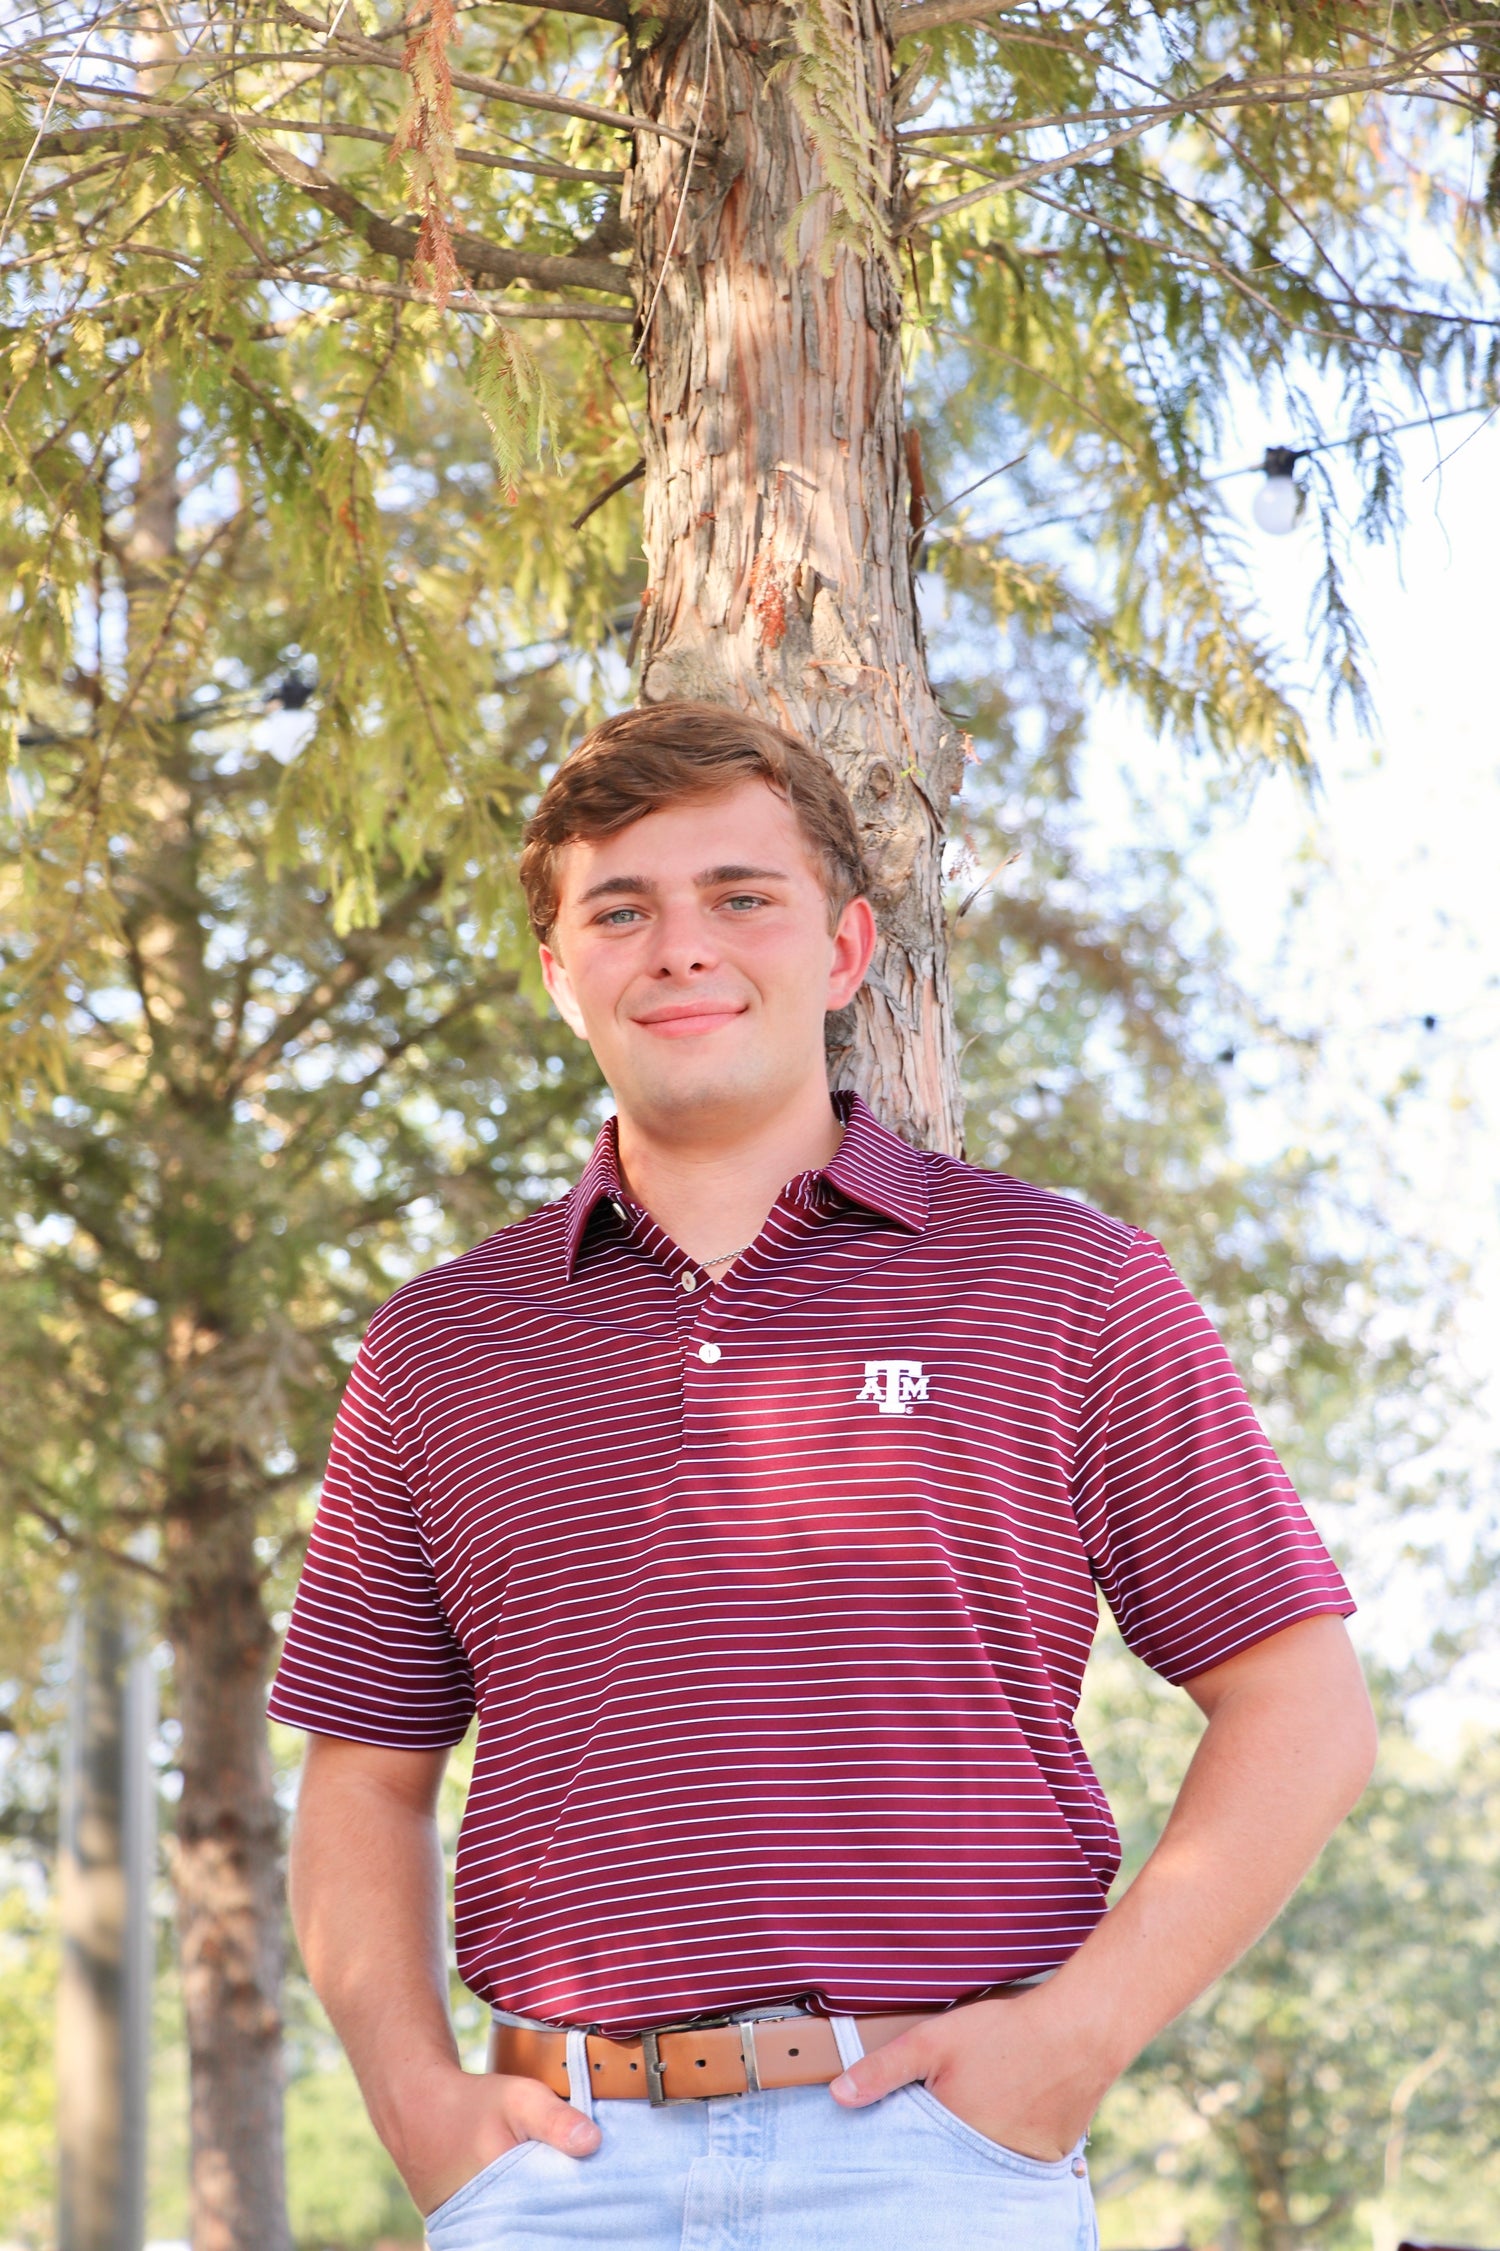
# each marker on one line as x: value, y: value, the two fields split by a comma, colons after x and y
x: 712, y: 1192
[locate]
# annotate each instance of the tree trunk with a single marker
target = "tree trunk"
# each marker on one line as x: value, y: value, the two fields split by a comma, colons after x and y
x: 228, y: 1878
x: 776, y: 497
x: 104, y: 1901
x: 1261, y: 2135
x: 226, y: 1856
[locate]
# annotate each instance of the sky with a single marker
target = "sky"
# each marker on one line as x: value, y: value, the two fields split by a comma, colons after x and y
x: 1374, y: 904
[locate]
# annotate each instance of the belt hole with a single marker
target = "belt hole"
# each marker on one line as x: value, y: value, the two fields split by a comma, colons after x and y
x: 600, y: 2067
x: 635, y: 2067
x: 701, y: 2061
x: 794, y: 2051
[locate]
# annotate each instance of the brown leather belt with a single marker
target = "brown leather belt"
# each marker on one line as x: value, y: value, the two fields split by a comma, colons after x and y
x: 739, y: 2057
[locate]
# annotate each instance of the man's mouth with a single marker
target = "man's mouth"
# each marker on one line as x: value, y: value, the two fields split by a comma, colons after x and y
x: 689, y: 1018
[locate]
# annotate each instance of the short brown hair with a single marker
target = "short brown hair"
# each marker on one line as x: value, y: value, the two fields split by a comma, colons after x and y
x: 660, y: 754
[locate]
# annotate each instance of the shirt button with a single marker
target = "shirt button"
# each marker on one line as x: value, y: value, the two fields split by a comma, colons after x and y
x: 710, y: 1353
x: 688, y: 1279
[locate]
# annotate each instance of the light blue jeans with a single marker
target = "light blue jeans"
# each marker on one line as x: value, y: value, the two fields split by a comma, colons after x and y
x: 782, y: 2171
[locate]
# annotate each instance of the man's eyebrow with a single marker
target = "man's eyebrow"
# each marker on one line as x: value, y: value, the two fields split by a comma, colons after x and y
x: 639, y: 886
x: 737, y: 874
x: 615, y: 884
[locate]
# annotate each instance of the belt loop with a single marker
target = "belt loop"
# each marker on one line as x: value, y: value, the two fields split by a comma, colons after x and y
x: 752, y: 2060
x: 580, y: 2091
x: 847, y: 2040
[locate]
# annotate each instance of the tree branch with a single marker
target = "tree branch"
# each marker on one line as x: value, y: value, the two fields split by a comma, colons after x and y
x: 361, y: 948
x: 607, y: 11
x: 1225, y: 92
x: 497, y: 89
x: 85, y: 1543
x: 484, y: 260
x: 76, y: 140
x: 932, y: 15
x: 638, y: 469
x: 392, y: 292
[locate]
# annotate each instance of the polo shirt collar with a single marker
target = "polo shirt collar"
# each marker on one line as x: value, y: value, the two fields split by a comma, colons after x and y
x: 873, y: 1168
x: 877, y: 1169
x: 598, y: 1183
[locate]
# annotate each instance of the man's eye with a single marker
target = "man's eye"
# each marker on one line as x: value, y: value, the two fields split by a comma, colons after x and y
x: 618, y: 917
x: 743, y: 899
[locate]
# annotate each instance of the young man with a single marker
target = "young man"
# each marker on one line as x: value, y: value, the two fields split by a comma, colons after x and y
x: 756, y: 1495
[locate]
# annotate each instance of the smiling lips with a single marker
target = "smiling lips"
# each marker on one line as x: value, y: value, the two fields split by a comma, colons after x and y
x: 685, y: 1019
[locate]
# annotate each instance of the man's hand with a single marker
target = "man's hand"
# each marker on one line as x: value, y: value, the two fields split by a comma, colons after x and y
x: 367, y: 1900
x: 1011, y: 2068
x: 454, y: 2122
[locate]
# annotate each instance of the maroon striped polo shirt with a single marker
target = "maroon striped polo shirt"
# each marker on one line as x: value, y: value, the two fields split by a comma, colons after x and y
x: 773, y: 1596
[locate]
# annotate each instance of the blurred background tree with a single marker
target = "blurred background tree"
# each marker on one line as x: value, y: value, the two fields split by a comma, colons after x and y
x: 292, y: 434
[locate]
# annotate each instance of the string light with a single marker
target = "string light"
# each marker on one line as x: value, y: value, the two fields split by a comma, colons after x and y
x: 1278, y: 504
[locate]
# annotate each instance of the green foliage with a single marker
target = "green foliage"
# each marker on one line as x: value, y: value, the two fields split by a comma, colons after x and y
x: 1096, y: 1009
x: 1100, y: 1030
x: 513, y: 396
x: 1112, y: 226
x: 342, y: 2188
x: 28, y: 1977
x: 288, y: 644
x: 831, y: 95
x: 1341, y: 2082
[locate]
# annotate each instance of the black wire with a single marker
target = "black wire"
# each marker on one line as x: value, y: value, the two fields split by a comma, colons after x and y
x: 1257, y: 468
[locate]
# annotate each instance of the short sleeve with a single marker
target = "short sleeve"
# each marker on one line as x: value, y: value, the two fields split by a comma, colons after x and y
x: 369, y: 1654
x: 1199, y: 1544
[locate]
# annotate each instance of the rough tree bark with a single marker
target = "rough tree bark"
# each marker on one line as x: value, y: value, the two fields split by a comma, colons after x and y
x: 228, y: 1875
x: 777, y: 512
x: 106, y: 1851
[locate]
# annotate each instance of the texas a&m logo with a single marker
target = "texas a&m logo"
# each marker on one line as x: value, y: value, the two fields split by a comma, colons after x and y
x: 892, y: 1386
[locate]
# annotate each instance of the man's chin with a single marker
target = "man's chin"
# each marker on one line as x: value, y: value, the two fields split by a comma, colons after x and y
x: 697, y: 1093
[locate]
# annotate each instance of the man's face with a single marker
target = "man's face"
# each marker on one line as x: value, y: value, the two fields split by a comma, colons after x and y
x: 693, y: 952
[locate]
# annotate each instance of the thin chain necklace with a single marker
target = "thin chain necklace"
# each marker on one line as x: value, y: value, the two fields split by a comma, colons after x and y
x: 724, y: 1257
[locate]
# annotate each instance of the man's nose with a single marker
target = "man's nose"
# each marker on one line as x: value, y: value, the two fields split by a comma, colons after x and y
x: 683, y: 942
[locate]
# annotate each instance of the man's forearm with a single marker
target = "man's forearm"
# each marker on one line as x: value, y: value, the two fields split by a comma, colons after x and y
x: 368, y: 1905
x: 1288, y: 1747
x: 1285, y: 1755
x: 366, y: 1881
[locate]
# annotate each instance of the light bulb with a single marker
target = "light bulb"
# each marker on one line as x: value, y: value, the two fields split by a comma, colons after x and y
x: 1278, y: 503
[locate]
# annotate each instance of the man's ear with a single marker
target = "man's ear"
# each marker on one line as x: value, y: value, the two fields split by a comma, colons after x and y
x: 854, y: 936
x: 560, y: 985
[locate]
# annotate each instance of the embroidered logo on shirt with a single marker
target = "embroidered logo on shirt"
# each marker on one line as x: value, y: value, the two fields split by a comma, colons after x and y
x: 893, y: 1385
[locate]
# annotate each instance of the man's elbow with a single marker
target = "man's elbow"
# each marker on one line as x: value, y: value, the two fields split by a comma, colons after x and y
x: 1360, y: 1735
x: 1348, y: 1732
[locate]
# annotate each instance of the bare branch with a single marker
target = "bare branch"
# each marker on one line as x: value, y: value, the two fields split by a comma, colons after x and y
x: 932, y: 15
x: 76, y: 140
x: 507, y: 309
x: 484, y: 260
x: 360, y: 957
x: 498, y: 90
x: 86, y: 1543
x: 607, y: 11
x: 1224, y: 93
x: 631, y: 475
x: 1008, y: 128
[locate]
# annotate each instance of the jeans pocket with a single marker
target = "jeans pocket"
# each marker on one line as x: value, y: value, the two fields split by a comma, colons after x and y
x: 463, y: 2200
x: 1009, y: 2160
